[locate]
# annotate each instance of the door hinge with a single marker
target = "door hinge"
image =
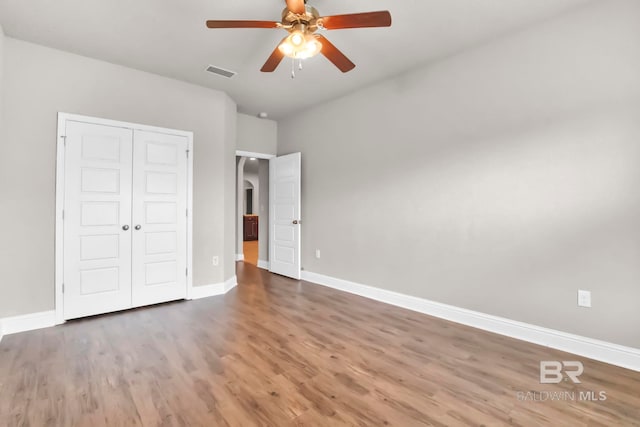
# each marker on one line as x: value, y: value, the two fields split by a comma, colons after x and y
x: 63, y: 214
x: 186, y: 271
x: 187, y: 154
x: 187, y: 213
x: 63, y: 288
x: 64, y: 139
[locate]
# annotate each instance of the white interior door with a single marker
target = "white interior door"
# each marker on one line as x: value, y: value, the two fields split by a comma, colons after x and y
x: 159, y: 218
x: 284, y: 203
x: 97, y: 219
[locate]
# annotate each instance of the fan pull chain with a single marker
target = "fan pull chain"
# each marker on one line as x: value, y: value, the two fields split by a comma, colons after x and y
x: 293, y: 67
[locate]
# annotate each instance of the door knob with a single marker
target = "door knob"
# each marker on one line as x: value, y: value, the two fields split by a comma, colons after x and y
x: 295, y: 221
x: 125, y: 227
x: 138, y: 227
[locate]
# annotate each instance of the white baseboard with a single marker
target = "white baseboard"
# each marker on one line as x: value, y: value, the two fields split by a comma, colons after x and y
x: 215, y: 289
x: 206, y: 291
x: 239, y: 257
x: 45, y: 319
x: 614, y: 354
x: 263, y: 264
x: 27, y: 322
x: 230, y: 284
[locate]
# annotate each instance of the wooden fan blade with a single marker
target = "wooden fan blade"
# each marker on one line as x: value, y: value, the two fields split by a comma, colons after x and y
x: 296, y: 6
x: 356, y: 20
x: 243, y: 24
x: 274, y: 60
x: 334, y: 55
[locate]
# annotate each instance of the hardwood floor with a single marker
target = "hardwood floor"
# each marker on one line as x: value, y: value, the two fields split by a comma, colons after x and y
x: 277, y: 352
x: 250, y: 249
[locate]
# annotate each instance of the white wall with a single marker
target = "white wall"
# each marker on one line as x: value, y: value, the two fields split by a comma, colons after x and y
x: 40, y: 82
x: 502, y: 179
x: 257, y: 135
x: 1, y: 83
x: 228, y: 260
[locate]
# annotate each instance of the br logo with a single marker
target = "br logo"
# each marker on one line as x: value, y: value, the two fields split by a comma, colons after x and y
x: 551, y: 371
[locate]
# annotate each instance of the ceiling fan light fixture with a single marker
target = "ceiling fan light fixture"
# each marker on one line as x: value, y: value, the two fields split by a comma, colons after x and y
x: 286, y: 48
x: 296, y: 39
x: 312, y: 47
x: 300, y: 46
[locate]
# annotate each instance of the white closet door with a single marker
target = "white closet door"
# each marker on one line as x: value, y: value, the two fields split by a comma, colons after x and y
x: 159, y: 218
x: 97, y: 215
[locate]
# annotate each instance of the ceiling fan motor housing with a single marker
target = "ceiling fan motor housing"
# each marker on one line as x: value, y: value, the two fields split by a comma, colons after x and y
x: 309, y: 19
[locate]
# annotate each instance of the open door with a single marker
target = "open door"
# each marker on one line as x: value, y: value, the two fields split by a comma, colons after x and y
x: 284, y: 218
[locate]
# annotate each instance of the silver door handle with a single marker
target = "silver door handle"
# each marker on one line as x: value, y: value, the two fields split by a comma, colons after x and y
x: 138, y: 227
x: 296, y: 221
x: 125, y: 227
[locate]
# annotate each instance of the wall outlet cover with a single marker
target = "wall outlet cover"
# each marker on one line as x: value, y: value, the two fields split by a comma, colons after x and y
x: 584, y: 298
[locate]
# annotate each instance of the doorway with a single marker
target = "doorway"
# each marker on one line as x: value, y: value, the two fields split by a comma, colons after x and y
x: 252, y: 222
x: 251, y: 211
x: 279, y: 206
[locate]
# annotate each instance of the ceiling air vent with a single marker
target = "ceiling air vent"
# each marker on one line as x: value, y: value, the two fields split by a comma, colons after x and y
x: 220, y: 71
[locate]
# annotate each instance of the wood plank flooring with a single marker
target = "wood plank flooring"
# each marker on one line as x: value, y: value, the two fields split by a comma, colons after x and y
x: 250, y: 249
x: 278, y: 352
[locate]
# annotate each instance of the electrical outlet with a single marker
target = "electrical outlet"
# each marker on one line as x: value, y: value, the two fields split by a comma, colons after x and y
x: 216, y: 261
x: 318, y: 253
x: 584, y: 298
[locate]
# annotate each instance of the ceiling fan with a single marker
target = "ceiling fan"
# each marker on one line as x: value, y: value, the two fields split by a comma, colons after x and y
x: 302, y: 42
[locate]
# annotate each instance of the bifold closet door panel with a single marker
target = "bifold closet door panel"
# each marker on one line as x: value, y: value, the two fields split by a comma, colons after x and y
x: 97, y: 219
x: 159, y: 258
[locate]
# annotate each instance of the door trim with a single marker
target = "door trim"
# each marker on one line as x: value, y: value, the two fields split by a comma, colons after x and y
x: 238, y: 232
x: 265, y: 156
x: 60, y: 187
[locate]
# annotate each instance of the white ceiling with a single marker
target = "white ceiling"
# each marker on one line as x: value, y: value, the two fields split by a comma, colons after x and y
x: 169, y: 37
